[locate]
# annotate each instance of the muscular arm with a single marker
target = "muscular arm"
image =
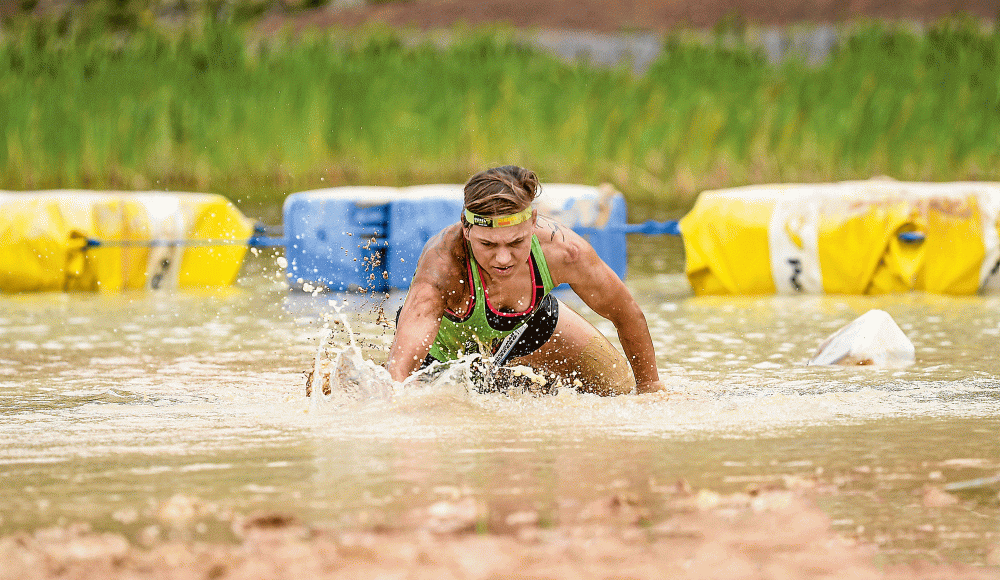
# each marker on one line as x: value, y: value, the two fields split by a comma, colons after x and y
x: 577, y: 264
x: 434, y: 281
x: 415, y: 331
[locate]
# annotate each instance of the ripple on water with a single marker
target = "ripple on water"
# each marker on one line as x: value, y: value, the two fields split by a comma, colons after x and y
x: 126, y: 398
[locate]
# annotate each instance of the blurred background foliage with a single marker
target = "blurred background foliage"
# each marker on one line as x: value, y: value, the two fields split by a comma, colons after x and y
x: 194, y: 96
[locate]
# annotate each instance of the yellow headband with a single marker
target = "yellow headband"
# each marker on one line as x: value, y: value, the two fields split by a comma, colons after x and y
x: 501, y: 221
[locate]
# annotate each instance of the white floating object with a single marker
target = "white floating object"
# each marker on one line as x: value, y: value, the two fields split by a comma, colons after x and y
x: 873, y: 338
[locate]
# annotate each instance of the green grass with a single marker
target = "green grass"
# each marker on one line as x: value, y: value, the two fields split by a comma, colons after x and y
x: 207, y: 106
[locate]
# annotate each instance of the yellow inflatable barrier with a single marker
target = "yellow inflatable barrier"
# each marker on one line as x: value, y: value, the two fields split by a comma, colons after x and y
x: 112, y: 241
x: 868, y: 237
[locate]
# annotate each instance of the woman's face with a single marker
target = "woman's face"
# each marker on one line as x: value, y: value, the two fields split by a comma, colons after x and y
x: 501, y: 251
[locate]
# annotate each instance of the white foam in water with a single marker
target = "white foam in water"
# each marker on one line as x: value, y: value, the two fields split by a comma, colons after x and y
x: 348, y: 377
x: 752, y: 378
x: 341, y: 374
x: 772, y: 392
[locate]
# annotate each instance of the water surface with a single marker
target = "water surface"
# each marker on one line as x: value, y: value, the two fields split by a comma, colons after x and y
x: 113, y: 405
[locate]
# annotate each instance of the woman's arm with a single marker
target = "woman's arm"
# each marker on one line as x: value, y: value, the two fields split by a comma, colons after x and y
x: 576, y: 263
x: 437, y: 277
x: 416, y: 329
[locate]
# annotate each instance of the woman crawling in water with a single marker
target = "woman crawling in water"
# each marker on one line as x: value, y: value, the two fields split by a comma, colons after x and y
x: 491, y: 275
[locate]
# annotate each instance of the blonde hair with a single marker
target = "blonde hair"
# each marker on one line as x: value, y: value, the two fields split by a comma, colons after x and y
x: 501, y: 191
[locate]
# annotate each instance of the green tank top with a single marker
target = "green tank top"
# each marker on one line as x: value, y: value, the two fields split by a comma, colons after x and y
x: 482, y: 324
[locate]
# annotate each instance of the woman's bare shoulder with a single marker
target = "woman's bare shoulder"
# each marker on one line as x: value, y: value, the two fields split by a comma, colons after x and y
x: 442, y: 263
x: 561, y: 245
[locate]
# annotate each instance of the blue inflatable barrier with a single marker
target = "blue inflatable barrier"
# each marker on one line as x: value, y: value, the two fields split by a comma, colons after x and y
x: 413, y: 222
x: 370, y: 238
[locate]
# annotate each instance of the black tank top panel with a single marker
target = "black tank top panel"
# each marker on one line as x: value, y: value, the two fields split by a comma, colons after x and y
x: 504, y: 321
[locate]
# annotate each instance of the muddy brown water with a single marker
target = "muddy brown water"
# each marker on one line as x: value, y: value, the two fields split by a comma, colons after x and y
x: 113, y: 407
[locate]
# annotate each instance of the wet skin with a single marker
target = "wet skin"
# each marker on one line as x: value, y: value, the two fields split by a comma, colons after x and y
x: 576, y: 350
x: 576, y: 347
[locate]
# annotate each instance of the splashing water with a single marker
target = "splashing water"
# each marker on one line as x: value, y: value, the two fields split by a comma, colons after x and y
x: 343, y: 375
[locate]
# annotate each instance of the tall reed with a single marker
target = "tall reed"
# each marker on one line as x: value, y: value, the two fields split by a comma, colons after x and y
x: 210, y: 106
